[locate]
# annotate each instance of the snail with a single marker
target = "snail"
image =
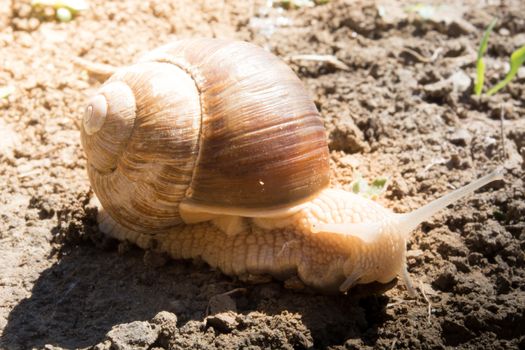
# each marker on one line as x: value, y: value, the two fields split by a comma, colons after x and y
x: 212, y: 149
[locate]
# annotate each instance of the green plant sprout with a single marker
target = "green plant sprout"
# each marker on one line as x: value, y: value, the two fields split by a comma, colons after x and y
x: 516, y: 60
x: 373, y: 190
x: 480, y: 64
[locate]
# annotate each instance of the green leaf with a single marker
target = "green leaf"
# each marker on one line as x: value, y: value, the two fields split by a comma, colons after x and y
x: 480, y: 76
x: 516, y: 60
x: 372, y: 190
x: 480, y: 64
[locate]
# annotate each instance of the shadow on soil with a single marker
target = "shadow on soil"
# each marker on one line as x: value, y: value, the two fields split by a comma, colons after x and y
x: 75, y: 302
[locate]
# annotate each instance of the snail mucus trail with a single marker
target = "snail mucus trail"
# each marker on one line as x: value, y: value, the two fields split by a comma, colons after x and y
x: 211, y: 149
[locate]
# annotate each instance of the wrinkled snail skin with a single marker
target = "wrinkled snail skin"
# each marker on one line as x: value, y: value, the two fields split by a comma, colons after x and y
x: 211, y: 149
x: 321, y: 260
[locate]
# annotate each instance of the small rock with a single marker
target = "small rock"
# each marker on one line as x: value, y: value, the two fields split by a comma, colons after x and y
x: 105, y: 345
x: 460, y: 137
x: 504, y: 32
x: 167, y: 321
x: 221, y: 303
x: 458, y: 161
x: 521, y: 73
x: 460, y: 81
x: 451, y: 245
x: 347, y: 137
x: 399, y: 188
x: 223, y: 322
x: 447, y: 279
x: 134, y: 335
x: 439, y: 88
x: 455, y: 333
x: 457, y: 82
x: 406, y: 78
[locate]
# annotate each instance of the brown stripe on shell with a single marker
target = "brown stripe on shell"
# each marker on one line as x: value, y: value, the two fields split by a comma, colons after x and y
x: 155, y: 170
x: 104, y: 147
x: 263, y: 143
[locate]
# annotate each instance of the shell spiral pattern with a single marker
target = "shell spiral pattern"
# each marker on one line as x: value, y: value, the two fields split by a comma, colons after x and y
x: 203, y: 121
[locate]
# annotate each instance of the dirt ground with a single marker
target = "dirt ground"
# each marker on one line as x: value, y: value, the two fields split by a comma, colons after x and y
x: 402, y: 109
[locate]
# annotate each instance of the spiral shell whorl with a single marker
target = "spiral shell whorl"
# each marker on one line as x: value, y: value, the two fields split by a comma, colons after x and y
x: 153, y: 168
x: 263, y: 144
x: 107, y: 125
x: 208, y: 123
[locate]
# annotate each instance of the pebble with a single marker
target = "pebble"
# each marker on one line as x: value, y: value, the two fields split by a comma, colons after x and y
x: 223, y: 322
x: 221, y: 303
x: 460, y: 137
x: 521, y: 73
x: 167, y: 321
x: 135, y: 335
x: 460, y: 81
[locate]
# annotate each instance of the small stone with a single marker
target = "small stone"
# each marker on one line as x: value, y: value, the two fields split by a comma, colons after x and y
x: 406, y: 78
x: 451, y: 245
x: 347, y: 137
x: 458, y: 161
x: 455, y: 333
x: 105, y: 345
x: 221, y: 303
x: 134, y: 335
x: 167, y: 321
x: 460, y: 137
x: 521, y: 73
x: 460, y: 81
x: 447, y: 279
x: 224, y: 322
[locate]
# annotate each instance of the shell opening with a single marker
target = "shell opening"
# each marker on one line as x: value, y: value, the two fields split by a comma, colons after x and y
x: 95, y: 114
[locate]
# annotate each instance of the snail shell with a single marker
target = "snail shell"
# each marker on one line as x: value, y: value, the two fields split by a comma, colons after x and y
x: 203, y: 127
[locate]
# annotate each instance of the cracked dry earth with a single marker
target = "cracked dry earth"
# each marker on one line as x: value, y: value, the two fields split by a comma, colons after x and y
x: 402, y: 108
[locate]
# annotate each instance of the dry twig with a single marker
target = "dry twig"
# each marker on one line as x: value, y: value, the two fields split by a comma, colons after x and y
x: 330, y: 59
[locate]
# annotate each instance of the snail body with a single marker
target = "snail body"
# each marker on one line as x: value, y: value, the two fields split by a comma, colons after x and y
x: 212, y: 149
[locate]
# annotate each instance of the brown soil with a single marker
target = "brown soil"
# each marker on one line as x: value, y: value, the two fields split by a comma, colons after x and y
x: 404, y: 110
